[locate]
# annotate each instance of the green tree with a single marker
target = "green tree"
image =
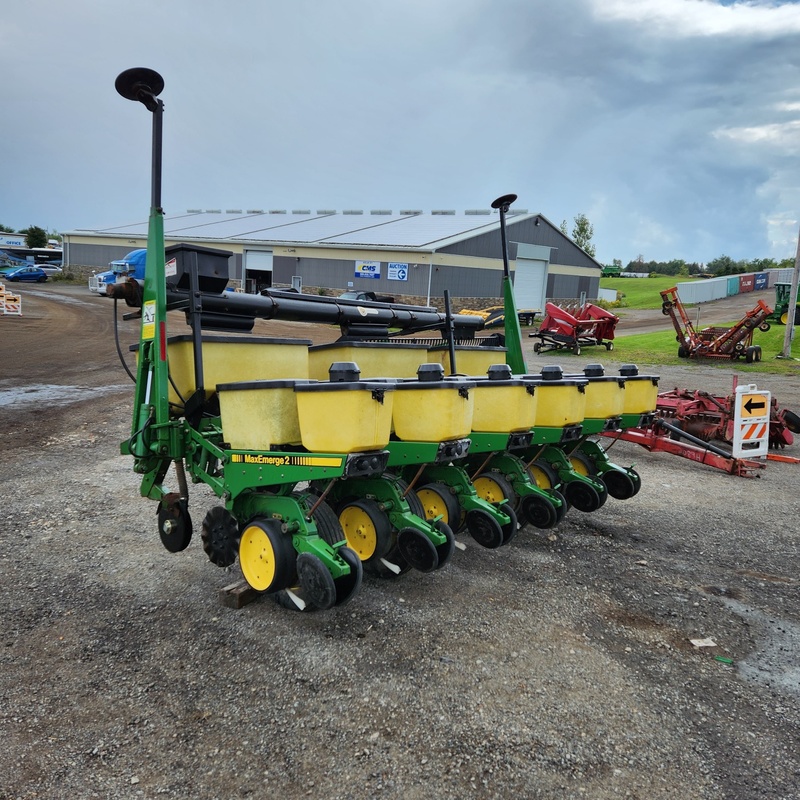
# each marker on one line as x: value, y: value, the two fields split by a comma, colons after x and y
x: 35, y: 236
x: 6, y: 229
x: 582, y: 233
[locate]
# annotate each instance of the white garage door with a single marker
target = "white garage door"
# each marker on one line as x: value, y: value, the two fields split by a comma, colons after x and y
x: 530, y: 283
x: 258, y: 259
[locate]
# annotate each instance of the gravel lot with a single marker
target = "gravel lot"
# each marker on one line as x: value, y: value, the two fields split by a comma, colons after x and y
x: 557, y: 667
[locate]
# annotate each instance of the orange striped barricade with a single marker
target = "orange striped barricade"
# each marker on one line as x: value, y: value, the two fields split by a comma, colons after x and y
x: 12, y: 304
x: 751, y: 422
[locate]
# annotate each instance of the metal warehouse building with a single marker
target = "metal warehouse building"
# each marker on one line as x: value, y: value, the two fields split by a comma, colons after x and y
x: 408, y: 253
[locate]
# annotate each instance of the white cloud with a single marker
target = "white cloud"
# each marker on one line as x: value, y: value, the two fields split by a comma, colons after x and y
x: 784, y: 136
x: 693, y: 18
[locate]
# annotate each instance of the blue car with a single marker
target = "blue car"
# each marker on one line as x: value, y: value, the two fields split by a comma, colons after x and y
x: 33, y: 274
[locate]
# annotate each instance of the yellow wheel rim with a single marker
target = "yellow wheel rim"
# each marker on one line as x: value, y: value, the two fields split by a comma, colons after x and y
x: 489, y: 489
x: 359, y: 531
x: 540, y: 477
x: 257, y: 558
x: 784, y: 318
x: 579, y: 467
x: 434, y: 505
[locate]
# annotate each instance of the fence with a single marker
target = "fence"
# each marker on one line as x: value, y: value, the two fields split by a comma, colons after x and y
x: 730, y: 285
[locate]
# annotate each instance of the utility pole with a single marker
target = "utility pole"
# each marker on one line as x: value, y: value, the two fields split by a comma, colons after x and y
x: 789, y: 335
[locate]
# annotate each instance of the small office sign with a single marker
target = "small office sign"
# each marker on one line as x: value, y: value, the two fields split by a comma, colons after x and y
x: 397, y: 271
x: 368, y: 269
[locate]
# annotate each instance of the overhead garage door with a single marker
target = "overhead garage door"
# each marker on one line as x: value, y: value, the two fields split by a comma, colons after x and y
x: 530, y: 283
x: 258, y: 269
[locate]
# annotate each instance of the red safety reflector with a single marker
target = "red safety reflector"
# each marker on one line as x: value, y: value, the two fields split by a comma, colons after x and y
x: 162, y: 329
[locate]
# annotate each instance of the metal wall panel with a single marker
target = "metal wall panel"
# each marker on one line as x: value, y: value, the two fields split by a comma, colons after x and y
x: 337, y: 273
x: 94, y: 255
x: 571, y: 287
x: 488, y: 245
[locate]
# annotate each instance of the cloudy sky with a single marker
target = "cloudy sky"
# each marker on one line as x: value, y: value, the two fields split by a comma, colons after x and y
x: 674, y: 125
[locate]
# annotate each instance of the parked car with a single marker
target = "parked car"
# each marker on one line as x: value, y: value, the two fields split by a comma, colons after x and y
x: 32, y: 274
x: 369, y: 297
x: 50, y: 269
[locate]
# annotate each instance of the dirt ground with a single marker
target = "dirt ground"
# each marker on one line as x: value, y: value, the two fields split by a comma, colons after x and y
x: 557, y: 667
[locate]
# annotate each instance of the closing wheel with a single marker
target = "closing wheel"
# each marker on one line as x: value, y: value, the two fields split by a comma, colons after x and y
x: 316, y: 581
x: 561, y: 511
x: 619, y: 484
x: 391, y: 565
x: 348, y: 585
x: 764, y: 326
x: 220, y: 535
x: 174, y: 524
x: 583, y: 496
x: 576, y: 348
x: 417, y: 549
x: 511, y: 528
x: 445, y: 551
x: 366, y: 528
x: 438, y: 501
x: 637, y: 480
x: 484, y: 528
x: 494, y: 488
x: 266, y: 555
x: 539, y: 511
x: 609, y: 346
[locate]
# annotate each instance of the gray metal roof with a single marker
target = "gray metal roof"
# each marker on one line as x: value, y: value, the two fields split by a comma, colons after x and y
x: 396, y: 230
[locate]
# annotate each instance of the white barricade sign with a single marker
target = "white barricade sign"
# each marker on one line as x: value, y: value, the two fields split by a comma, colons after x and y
x: 751, y: 422
x: 12, y: 304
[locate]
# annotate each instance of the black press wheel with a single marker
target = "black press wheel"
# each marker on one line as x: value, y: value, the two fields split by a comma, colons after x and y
x: 220, y: 535
x: 417, y: 549
x: 576, y: 348
x: 619, y: 484
x: 316, y: 582
x: 682, y: 352
x: 582, y: 496
x: 538, y: 511
x: 484, y: 528
x: 174, y: 524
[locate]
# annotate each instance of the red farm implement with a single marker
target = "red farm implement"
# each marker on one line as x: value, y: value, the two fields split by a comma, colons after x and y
x: 572, y: 328
x: 734, y: 342
x: 700, y: 426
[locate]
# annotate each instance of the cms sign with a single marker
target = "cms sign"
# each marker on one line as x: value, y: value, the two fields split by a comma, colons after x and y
x: 368, y: 269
